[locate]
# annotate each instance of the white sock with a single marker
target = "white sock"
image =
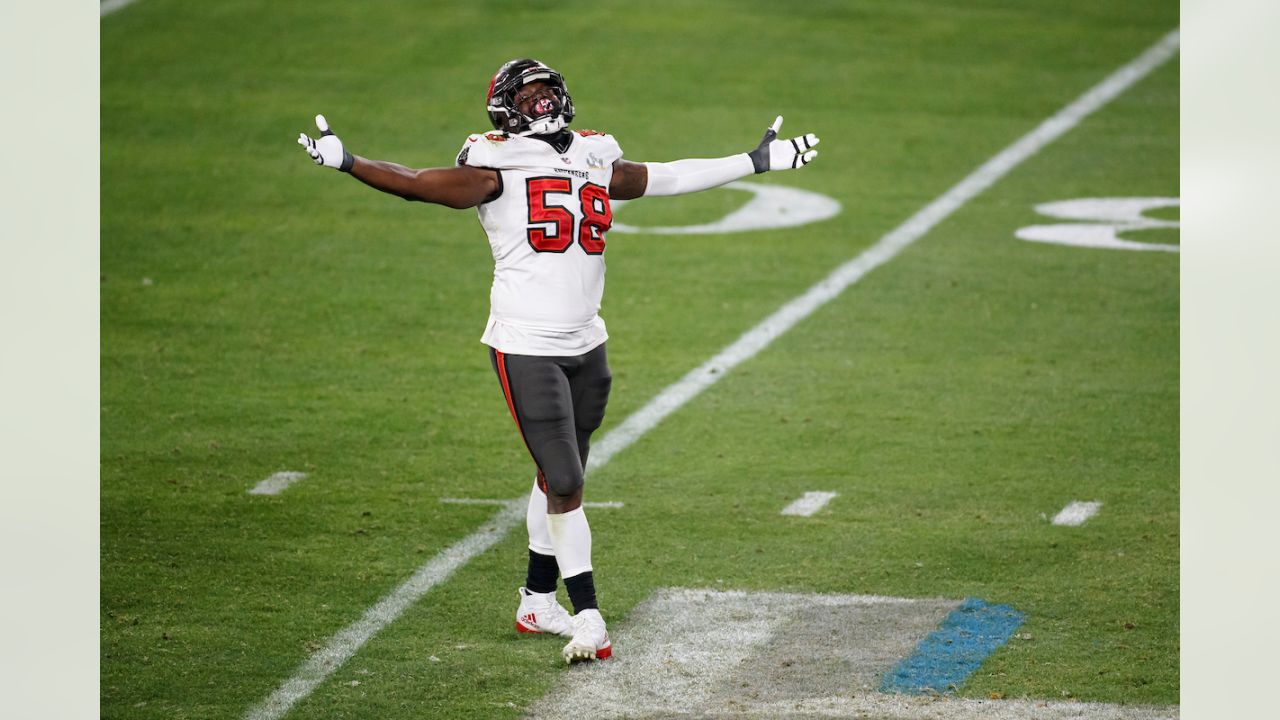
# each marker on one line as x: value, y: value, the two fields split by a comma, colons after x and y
x: 571, y: 538
x: 535, y: 520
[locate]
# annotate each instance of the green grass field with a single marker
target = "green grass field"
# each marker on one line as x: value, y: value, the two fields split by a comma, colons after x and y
x: 259, y: 314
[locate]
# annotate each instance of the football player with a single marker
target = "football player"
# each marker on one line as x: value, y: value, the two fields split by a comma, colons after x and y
x: 542, y: 192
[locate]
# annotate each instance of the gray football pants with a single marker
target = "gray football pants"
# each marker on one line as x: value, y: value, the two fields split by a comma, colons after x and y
x: 557, y: 402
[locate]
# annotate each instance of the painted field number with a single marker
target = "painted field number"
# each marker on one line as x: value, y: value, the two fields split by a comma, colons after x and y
x: 1104, y: 219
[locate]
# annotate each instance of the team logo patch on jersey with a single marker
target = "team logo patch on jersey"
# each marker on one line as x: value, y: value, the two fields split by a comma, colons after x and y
x: 594, y: 162
x: 495, y: 137
x: 588, y: 133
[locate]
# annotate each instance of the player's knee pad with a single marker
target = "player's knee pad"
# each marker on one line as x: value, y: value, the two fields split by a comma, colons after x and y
x: 564, y: 484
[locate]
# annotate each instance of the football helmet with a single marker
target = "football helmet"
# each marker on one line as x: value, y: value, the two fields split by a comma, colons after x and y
x: 505, y: 114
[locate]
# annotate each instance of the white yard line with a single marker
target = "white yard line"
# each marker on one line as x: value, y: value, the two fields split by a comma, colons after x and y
x: 110, y: 6
x: 888, y: 247
x: 809, y: 503
x: 346, y: 642
x: 1076, y: 512
x: 342, y: 646
x: 276, y: 484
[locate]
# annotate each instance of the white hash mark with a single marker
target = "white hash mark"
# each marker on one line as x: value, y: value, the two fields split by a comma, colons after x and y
x: 808, y: 504
x: 1076, y: 512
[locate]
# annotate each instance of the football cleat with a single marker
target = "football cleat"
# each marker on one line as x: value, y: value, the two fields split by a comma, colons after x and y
x: 541, y: 613
x: 590, y: 639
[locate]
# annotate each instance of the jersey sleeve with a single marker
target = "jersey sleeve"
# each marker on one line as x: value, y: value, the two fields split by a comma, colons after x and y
x: 471, y: 153
x: 613, y: 148
x: 482, y: 150
x: 604, y: 145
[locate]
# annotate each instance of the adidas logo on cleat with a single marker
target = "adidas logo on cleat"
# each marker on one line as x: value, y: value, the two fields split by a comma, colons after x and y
x: 527, y: 623
x: 539, y: 613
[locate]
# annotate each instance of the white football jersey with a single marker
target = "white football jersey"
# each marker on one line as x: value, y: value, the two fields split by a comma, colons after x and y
x: 547, y: 233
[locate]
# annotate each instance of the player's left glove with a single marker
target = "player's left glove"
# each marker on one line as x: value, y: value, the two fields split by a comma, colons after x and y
x: 328, y: 150
x: 774, y: 154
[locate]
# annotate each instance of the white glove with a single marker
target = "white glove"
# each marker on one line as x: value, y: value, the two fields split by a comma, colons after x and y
x: 328, y: 150
x: 774, y: 154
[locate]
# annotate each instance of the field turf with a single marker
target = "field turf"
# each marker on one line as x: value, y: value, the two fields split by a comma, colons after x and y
x: 260, y: 314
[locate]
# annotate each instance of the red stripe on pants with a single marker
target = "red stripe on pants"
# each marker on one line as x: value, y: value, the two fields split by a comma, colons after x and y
x: 511, y: 405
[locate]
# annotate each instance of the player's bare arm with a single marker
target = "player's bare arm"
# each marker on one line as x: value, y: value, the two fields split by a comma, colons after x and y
x: 455, y: 187
x: 629, y: 180
x: 632, y: 180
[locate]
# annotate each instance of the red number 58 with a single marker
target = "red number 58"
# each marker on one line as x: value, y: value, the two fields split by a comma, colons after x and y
x: 597, y: 216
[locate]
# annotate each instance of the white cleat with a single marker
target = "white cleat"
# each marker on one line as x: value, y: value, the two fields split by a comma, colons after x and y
x: 590, y: 639
x: 541, y: 613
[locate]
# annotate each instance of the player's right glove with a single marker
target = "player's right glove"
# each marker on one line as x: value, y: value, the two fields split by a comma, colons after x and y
x: 328, y: 150
x: 774, y: 154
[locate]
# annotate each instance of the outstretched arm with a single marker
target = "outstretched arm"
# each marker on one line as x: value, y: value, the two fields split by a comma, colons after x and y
x: 455, y: 187
x: 632, y: 180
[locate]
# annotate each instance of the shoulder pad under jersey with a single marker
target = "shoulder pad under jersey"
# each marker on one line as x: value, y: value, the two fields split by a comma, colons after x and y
x: 603, y: 145
x: 479, y: 149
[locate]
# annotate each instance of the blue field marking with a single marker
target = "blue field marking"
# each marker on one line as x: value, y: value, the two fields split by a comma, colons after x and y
x: 950, y: 654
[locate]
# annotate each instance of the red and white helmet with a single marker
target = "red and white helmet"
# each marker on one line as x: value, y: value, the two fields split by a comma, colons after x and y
x: 514, y: 75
